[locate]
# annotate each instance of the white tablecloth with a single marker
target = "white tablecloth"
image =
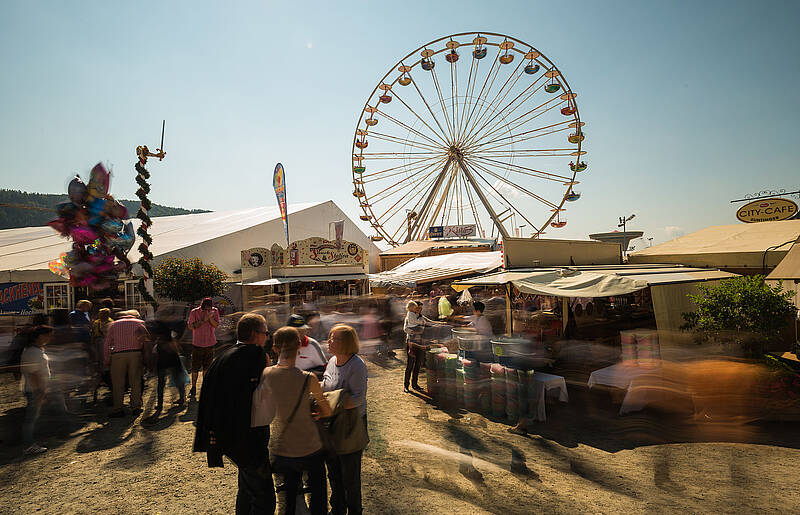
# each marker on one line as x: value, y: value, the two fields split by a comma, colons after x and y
x: 545, y: 382
x: 622, y: 376
x: 618, y: 376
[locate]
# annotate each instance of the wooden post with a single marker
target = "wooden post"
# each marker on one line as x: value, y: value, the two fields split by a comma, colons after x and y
x: 509, y: 319
x: 564, y: 314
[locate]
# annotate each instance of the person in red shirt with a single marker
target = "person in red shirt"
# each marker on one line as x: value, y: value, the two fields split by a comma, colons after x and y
x: 202, y: 321
x: 126, y: 343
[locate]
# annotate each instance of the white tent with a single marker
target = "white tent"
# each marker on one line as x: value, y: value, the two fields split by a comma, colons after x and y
x: 216, y: 237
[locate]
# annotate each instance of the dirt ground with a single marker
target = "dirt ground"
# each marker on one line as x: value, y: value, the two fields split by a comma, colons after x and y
x: 585, y: 458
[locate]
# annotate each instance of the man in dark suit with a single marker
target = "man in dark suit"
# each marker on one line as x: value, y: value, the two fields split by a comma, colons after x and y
x: 234, y: 414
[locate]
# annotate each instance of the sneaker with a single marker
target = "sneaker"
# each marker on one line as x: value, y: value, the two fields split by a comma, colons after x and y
x: 159, y: 407
x: 34, y: 449
x: 416, y: 387
x: 192, y: 392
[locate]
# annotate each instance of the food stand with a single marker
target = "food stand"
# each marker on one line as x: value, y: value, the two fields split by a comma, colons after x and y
x: 313, y: 267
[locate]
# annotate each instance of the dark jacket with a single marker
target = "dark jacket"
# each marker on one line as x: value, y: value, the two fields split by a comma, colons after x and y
x: 223, y: 417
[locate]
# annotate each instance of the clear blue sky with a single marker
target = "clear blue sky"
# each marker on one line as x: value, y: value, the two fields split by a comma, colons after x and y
x: 687, y: 104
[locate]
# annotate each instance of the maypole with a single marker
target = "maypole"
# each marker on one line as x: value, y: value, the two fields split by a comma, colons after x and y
x: 142, y: 176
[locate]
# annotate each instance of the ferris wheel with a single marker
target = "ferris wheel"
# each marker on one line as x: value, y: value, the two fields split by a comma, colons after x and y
x: 470, y: 129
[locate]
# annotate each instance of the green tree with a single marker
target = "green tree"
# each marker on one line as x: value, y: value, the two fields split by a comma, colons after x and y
x: 188, y: 280
x: 746, y: 308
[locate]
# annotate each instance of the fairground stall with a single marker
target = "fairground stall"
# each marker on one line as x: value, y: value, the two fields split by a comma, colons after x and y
x: 307, y: 271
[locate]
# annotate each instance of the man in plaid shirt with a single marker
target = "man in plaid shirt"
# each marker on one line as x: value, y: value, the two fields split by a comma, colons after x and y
x: 126, y: 342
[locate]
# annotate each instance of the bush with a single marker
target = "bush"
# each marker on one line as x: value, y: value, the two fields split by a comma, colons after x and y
x: 746, y: 307
x: 188, y: 280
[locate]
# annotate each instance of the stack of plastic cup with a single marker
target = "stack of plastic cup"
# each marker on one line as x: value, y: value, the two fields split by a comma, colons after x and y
x: 498, y: 374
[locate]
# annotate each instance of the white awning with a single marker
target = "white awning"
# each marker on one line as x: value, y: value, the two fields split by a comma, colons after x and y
x: 593, y: 281
x: 308, y: 279
x: 429, y: 269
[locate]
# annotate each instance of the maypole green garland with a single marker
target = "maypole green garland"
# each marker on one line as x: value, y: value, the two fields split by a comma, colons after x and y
x: 142, y: 176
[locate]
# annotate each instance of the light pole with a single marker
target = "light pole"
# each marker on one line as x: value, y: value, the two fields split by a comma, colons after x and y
x: 622, y: 223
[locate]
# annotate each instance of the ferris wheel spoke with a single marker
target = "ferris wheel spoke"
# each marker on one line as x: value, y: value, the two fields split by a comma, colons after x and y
x: 403, y: 168
x: 515, y: 186
x: 387, y: 192
x: 390, y: 211
x: 411, y: 129
x: 504, y: 199
x: 472, y: 205
x: 481, y: 195
x: 513, y: 139
x: 503, y: 125
x: 476, y: 101
x: 401, y: 141
x: 466, y: 95
x: 508, y: 110
x: 513, y: 167
x: 415, y: 186
x: 453, y: 95
x: 425, y: 101
x: 481, y: 104
x: 442, y: 199
x: 488, y: 112
x: 442, y: 103
x: 394, y: 155
x: 428, y: 198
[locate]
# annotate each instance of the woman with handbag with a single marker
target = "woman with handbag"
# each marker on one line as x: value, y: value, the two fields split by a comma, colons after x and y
x: 347, y: 371
x: 294, y: 445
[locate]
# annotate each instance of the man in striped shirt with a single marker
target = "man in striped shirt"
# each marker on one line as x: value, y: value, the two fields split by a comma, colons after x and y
x: 126, y: 340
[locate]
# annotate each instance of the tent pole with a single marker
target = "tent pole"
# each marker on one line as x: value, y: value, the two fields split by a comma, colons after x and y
x: 564, y: 314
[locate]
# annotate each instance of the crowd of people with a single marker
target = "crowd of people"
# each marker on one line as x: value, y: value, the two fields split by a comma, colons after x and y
x: 266, y: 402
x: 266, y: 418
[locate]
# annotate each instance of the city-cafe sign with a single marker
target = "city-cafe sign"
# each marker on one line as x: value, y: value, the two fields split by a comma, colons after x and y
x: 767, y: 210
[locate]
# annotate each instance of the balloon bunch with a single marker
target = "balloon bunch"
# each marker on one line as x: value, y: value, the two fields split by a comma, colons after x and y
x: 101, y: 240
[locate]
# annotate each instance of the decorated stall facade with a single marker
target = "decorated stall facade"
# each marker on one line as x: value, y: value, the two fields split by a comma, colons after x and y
x: 312, y: 267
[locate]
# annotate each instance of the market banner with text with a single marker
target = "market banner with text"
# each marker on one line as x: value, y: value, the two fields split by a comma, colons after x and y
x: 279, y: 183
x: 16, y: 297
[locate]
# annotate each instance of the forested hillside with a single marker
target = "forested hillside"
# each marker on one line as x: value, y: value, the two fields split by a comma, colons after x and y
x: 22, y: 209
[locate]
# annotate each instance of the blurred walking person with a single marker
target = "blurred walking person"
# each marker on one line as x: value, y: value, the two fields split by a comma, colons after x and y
x: 36, y: 371
x: 126, y: 343
x: 203, y: 320
x: 413, y: 326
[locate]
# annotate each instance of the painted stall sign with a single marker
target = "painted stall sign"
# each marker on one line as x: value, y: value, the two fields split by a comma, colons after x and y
x: 16, y: 297
x: 254, y: 258
x: 767, y: 210
x: 319, y: 251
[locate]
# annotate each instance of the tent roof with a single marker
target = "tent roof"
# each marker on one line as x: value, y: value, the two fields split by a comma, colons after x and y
x: 32, y: 248
x: 594, y: 281
x: 789, y: 267
x: 437, y: 268
x: 416, y: 247
x: 740, y: 245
